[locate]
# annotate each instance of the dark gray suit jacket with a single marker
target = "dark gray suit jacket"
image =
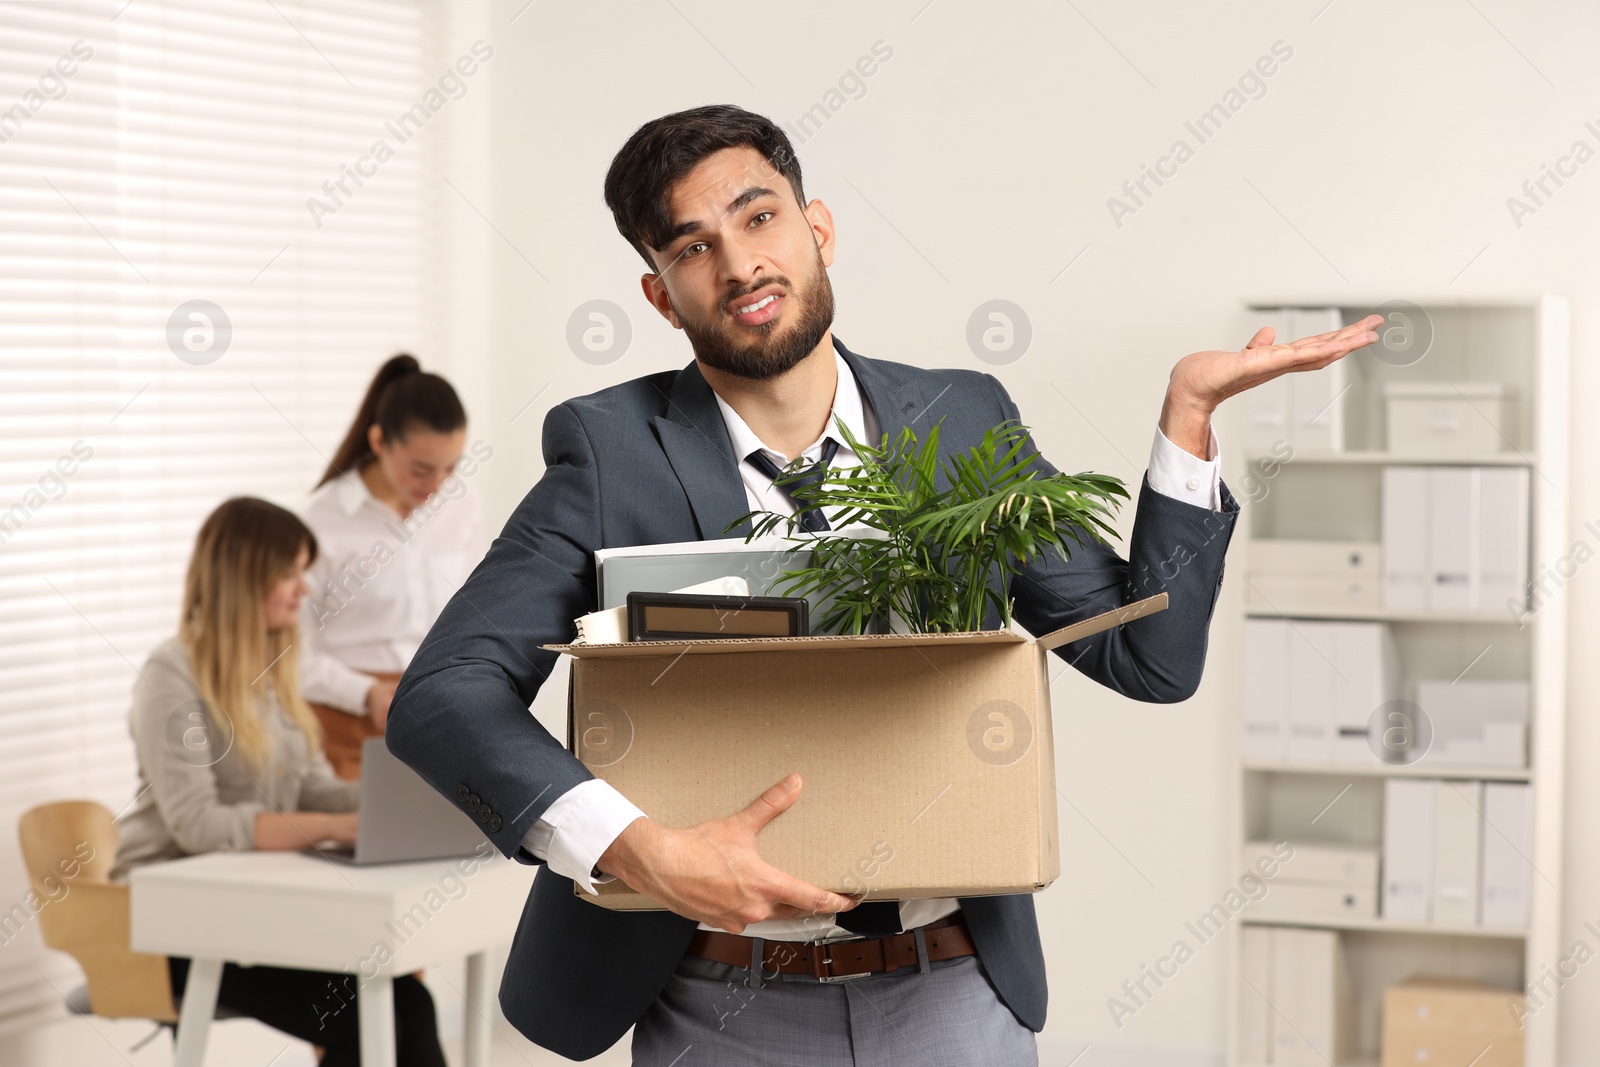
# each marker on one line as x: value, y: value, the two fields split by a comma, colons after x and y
x: 648, y: 462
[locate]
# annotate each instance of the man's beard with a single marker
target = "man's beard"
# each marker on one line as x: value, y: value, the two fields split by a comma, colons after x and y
x: 766, y: 354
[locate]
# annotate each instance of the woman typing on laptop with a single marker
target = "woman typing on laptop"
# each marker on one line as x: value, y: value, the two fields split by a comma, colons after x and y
x: 399, y: 535
x: 230, y: 759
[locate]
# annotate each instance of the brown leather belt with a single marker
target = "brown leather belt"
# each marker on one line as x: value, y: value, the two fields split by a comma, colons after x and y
x: 832, y: 961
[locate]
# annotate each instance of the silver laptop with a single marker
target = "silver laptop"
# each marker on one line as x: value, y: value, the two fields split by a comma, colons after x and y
x: 402, y: 817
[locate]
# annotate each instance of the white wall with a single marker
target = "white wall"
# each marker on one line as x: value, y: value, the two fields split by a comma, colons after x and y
x: 978, y: 165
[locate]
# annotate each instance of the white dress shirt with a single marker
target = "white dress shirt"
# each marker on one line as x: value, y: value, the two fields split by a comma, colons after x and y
x: 581, y: 823
x: 378, y: 582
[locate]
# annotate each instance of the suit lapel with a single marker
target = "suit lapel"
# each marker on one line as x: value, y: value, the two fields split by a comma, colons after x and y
x: 695, y: 440
x: 896, y: 402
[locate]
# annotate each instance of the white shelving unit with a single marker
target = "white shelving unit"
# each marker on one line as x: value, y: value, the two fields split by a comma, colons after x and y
x: 1422, y: 770
x: 1336, y: 496
x: 1322, y: 922
x: 1382, y: 614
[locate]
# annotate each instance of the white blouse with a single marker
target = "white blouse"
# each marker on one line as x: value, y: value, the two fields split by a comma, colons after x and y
x: 379, y: 581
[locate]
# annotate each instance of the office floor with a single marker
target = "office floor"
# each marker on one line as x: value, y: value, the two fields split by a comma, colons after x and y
x: 246, y: 1043
x: 233, y: 1043
x: 96, y: 1042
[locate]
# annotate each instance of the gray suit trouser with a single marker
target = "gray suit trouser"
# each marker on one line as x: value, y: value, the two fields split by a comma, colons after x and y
x: 716, y: 1015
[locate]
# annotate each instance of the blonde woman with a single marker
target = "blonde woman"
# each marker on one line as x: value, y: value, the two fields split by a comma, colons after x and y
x: 230, y: 759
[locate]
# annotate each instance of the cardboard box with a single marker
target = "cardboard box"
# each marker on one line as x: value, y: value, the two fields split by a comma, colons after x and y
x: 1409, y: 1048
x: 1451, y: 1020
x: 928, y: 759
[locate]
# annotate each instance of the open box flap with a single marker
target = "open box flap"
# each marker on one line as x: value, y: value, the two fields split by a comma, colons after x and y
x: 1104, y: 621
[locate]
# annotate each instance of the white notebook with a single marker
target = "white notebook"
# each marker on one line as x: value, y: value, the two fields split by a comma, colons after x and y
x: 610, y: 625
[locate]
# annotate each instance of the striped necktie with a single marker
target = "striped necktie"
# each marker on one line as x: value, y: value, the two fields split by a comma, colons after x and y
x: 810, y: 518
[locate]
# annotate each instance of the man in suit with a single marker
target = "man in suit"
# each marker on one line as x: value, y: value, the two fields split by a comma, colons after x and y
x: 712, y: 200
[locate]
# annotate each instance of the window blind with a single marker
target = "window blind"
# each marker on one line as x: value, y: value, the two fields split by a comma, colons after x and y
x: 154, y: 154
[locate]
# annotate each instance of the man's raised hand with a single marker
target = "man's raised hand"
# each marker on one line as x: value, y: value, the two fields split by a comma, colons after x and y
x: 1202, y: 381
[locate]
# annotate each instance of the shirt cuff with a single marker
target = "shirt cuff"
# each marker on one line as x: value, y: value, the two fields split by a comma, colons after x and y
x: 577, y: 827
x: 1180, y: 474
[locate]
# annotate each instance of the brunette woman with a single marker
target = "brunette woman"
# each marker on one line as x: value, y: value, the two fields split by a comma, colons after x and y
x: 399, y: 534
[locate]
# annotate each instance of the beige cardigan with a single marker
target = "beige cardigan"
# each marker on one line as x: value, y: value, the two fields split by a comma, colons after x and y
x: 194, y: 798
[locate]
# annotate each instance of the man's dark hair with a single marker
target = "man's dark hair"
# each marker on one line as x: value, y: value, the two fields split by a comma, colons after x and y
x: 663, y: 151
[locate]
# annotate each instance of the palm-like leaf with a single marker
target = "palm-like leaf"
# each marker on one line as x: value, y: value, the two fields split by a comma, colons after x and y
x: 948, y: 555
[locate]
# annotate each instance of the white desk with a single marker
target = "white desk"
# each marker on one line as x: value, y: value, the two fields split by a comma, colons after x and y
x: 289, y: 909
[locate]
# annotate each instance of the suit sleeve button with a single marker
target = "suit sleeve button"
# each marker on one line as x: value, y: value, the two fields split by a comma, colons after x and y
x: 473, y: 803
x: 494, y: 824
x: 462, y: 792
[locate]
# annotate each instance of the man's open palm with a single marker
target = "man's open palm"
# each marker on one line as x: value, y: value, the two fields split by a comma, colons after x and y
x: 1206, y: 379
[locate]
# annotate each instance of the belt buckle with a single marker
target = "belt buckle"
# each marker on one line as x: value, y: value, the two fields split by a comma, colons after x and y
x: 817, y: 960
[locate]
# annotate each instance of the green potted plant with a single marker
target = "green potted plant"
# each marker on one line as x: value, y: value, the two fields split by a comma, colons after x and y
x: 936, y: 558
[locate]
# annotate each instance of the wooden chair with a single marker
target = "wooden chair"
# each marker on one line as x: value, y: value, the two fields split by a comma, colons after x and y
x: 90, y: 922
